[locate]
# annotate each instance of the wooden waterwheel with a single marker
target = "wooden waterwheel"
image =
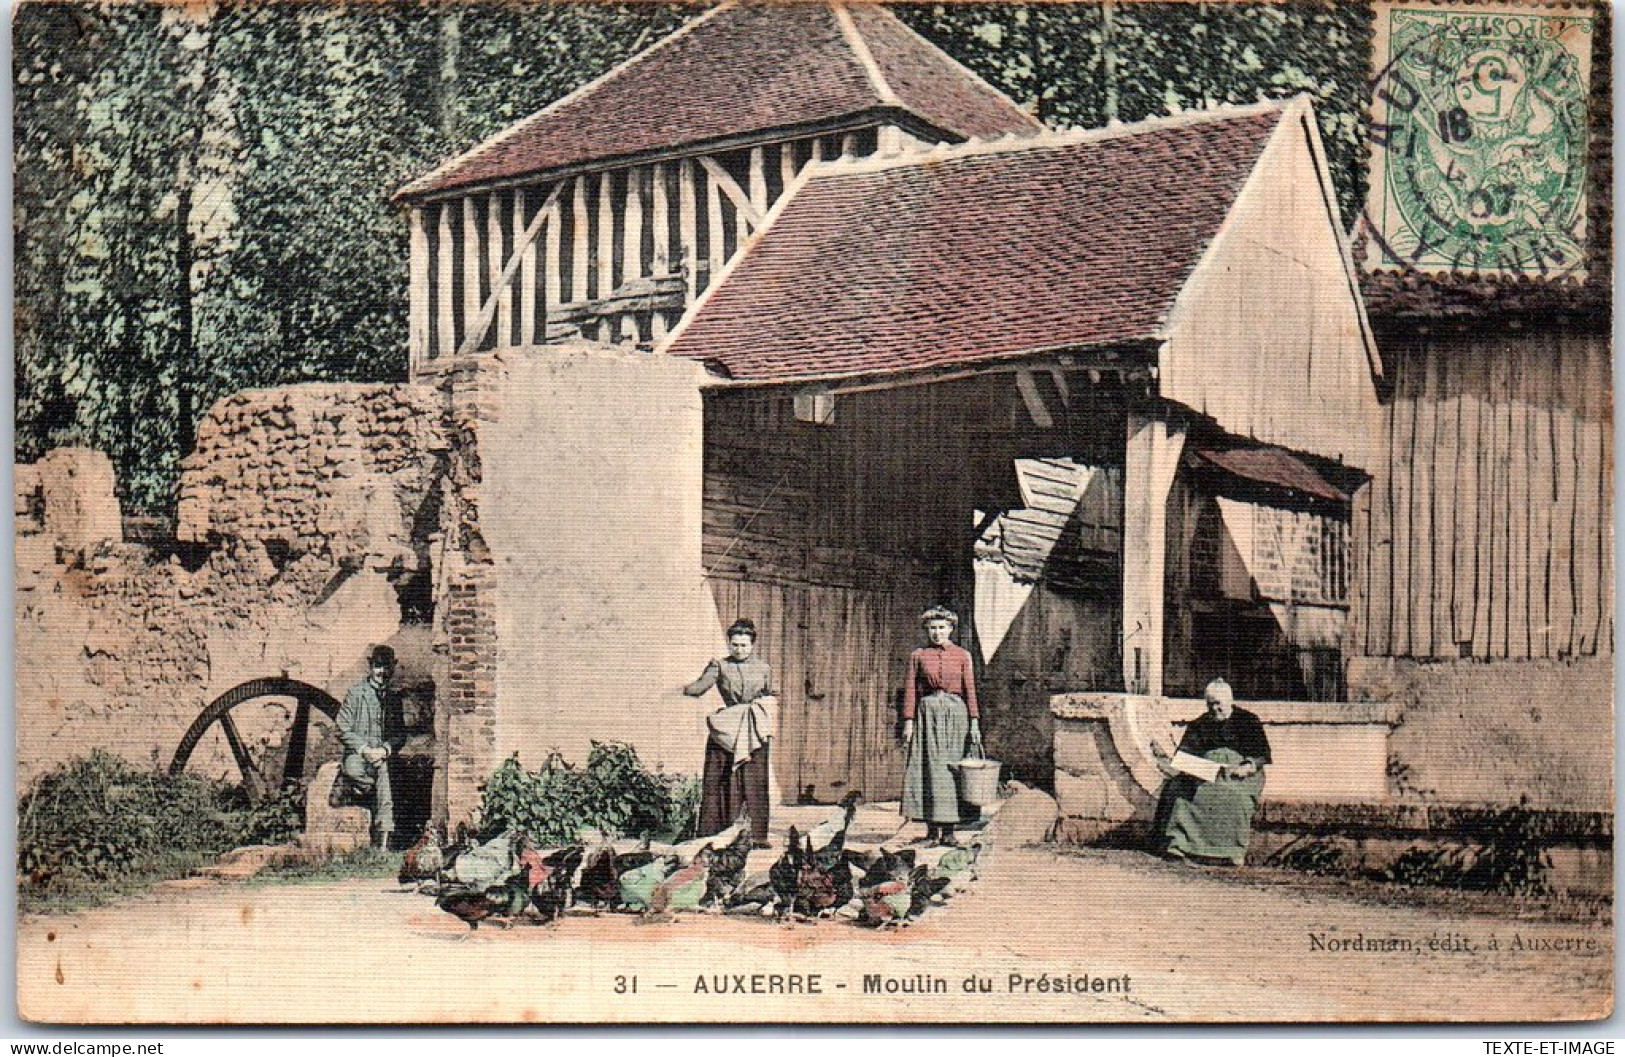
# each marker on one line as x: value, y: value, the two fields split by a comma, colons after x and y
x: 263, y: 770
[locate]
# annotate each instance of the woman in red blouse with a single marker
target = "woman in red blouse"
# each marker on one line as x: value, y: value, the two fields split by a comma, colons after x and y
x: 939, y: 720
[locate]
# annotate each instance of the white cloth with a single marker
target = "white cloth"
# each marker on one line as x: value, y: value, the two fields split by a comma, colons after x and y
x: 741, y: 729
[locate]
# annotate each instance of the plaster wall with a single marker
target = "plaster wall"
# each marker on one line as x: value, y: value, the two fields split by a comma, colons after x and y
x: 590, y: 509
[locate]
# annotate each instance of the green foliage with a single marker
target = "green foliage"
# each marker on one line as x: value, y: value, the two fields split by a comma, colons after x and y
x: 202, y: 193
x: 614, y: 793
x: 98, y: 819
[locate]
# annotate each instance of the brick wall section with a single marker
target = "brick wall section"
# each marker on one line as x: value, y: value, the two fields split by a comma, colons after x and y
x: 466, y: 644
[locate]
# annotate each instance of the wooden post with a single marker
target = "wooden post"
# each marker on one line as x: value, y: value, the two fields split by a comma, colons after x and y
x: 632, y: 243
x: 713, y: 210
x: 581, y: 250
x: 552, y: 264
x: 758, y: 181
x: 1150, y: 462
x: 446, y: 281
x: 495, y: 287
x: 527, y: 271
x: 472, y: 266
x: 417, y: 293
x: 688, y: 228
x: 606, y: 250
x: 787, y: 165
x: 660, y: 239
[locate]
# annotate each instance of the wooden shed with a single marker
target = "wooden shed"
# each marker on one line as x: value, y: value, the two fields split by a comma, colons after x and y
x: 1106, y: 393
x: 608, y: 213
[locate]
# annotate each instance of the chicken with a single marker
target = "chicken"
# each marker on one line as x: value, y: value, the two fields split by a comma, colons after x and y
x: 684, y: 887
x: 785, y: 874
x: 728, y: 869
x: 551, y: 886
x: 839, y: 822
x: 896, y: 900
x: 637, y: 885
x: 824, y: 882
x: 600, y: 883
x: 423, y: 860
x: 471, y: 905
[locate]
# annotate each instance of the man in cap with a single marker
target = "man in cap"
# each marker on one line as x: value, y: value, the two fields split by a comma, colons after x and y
x: 366, y: 752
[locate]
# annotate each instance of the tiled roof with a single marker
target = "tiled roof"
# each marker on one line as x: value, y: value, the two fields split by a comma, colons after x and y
x: 979, y: 252
x: 738, y: 70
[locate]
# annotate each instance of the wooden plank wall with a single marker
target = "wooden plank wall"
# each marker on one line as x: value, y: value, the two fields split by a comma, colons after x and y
x: 834, y: 538
x: 629, y: 232
x: 1487, y: 530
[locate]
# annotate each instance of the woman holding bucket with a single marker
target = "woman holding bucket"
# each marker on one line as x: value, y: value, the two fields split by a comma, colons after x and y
x: 939, y: 720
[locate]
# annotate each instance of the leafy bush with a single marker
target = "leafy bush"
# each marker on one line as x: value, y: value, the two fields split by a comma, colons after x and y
x: 1317, y: 857
x: 1513, y: 855
x: 614, y: 793
x: 1429, y: 867
x: 97, y: 818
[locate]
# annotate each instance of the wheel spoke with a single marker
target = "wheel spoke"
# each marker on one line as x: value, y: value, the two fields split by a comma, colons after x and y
x: 245, y: 763
x: 298, y: 738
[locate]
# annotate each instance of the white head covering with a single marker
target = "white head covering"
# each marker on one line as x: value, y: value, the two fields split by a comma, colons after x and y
x: 1219, y: 690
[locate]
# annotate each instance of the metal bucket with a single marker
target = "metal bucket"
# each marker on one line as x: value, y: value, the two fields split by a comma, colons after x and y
x: 978, y: 780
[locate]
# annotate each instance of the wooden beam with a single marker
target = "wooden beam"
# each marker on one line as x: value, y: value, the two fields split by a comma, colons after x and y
x: 446, y: 282
x: 787, y: 165
x: 659, y: 238
x: 482, y: 321
x: 552, y: 255
x: 1151, y: 459
x: 527, y: 269
x: 1027, y: 385
x: 721, y: 179
x: 581, y: 243
x: 632, y: 241
x: 493, y: 255
x: 715, y: 249
x: 418, y: 292
x: 472, y: 269
x: 688, y: 227
x: 758, y: 182
x: 606, y: 247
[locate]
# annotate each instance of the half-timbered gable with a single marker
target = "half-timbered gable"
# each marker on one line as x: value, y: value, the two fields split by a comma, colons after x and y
x: 608, y: 213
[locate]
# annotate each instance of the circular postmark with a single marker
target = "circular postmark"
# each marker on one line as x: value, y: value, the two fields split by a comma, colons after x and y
x: 1479, y: 141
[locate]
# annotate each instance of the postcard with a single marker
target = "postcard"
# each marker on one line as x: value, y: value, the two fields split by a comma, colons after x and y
x: 724, y: 513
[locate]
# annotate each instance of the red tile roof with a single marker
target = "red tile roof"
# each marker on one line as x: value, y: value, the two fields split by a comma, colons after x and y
x: 980, y: 252
x: 738, y: 70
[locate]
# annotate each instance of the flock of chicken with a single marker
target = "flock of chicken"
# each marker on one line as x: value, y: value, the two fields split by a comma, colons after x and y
x: 818, y: 875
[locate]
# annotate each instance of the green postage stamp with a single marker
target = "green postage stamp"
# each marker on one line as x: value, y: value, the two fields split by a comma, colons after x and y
x: 1478, y: 148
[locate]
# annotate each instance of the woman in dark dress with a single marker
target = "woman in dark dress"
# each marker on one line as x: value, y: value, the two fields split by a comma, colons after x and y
x: 741, y: 733
x: 940, y: 720
x: 1213, y: 819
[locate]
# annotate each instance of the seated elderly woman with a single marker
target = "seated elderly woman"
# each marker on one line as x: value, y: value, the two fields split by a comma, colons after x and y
x: 1206, y: 810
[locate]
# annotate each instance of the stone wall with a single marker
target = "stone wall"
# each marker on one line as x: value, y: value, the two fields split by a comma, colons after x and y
x: 1496, y: 733
x: 304, y: 509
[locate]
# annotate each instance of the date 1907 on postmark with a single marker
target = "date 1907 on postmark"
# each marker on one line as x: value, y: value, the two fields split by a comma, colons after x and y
x: 1478, y: 139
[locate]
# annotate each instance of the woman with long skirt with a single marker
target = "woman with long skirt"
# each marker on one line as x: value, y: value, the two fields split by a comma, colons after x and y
x: 741, y: 734
x: 940, y: 720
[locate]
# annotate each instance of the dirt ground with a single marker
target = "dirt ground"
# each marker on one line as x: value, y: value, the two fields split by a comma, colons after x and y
x: 1144, y: 940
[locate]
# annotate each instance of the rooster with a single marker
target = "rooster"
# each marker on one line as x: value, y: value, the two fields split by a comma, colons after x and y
x: 502, y: 901
x: 423, y: 860
x: 824, y: 882
x: 550, y: 885
x: 898, y: 900
x: 839, y: 822
x: 785, y: 874
x: 728, y: 868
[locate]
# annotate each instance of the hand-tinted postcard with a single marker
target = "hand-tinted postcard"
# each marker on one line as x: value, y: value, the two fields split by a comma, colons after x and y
x: 821, y: 511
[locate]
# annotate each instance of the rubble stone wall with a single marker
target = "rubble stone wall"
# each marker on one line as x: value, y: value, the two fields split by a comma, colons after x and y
x: 304, y: 508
